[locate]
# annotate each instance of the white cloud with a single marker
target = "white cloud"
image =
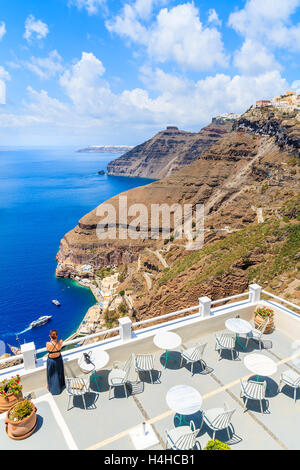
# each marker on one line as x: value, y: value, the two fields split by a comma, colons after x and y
x: 163, y: 98
x: 253, y: 58
x: 127, y: 24
x: 45, y: 67
x: 2, y: 30
x: 4, y: 76
x: 180, y: 35
x: 43, y: 105
x: 213, y: 17
x: 190, y: 103
x: 84, y: 85
x: 35, y: 28
x: 268, y: 20
x: 176, y: 35
x: 91, y: 6
x: 296, y: 86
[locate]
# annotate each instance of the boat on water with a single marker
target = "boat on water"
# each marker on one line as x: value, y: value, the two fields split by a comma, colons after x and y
x: 14, y: 349
x: 40, y: 321
x: 56, y: 302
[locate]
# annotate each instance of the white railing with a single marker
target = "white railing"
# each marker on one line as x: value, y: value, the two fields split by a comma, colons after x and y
x: 203, y: 309
x: 83, y: 338
x: 164, y: 317
x: 11, y: 358
x: 226, y: 299
x: 281, y: 300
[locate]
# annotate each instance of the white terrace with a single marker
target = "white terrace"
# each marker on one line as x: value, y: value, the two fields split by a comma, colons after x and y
x: 112, y: 423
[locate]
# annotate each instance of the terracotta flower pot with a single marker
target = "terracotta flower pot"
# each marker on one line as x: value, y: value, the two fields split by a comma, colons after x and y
x: 21, y: 429
x: 8, y: 402
x: 259, y: 320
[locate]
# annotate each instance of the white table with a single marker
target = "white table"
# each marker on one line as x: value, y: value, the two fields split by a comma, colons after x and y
x: 260, y: 365
x: 99, y: 359
x: 167, y: 340
x: 184, y: 400
x: 238, y: 326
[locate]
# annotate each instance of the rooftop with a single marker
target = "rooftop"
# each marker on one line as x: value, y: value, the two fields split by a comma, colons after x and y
x: 110, y: 423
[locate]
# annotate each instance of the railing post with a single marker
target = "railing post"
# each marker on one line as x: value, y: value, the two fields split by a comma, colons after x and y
x: 254, y: 293
x: 204, y: 306
x: 125, y: 328
x: 28, y: 351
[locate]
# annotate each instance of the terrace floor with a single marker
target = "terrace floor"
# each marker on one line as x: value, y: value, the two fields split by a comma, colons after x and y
x: 107, y: 424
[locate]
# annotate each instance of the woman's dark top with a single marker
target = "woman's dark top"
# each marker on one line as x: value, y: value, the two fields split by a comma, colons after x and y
x: 55, y: 372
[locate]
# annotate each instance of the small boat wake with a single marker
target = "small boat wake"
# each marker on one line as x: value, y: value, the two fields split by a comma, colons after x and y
x: 24, y: 331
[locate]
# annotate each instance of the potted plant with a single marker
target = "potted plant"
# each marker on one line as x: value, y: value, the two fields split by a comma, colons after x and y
x: 10, y: 393
x: 216, y: 445
x: 21, y: 420
x: 260, y: 316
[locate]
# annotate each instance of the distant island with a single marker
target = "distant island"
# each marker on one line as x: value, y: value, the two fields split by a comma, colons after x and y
x: 106, y: 148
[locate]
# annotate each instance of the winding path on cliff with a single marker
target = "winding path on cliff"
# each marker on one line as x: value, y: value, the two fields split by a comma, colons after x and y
x: 148, y: 280
x: 160, y: 258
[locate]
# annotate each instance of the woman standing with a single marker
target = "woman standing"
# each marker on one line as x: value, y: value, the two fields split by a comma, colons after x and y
x: 55, y: 366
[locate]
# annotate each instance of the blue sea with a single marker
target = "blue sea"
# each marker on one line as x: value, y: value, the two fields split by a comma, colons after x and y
x: 43, y: 194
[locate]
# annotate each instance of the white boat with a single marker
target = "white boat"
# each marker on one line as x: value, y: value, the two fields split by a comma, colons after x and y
x: 56, y: 302
x: 40, y: 321
x: 14, y: 349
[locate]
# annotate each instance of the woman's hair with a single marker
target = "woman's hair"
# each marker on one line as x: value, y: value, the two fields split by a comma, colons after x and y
x: 53, y: 334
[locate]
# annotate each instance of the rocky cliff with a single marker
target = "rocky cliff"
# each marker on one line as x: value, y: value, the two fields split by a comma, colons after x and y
x: 248, y: 182
x: 167, y: 152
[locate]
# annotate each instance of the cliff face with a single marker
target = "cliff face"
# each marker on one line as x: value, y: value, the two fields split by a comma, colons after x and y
x: 167, y: 152
x: 272, y: 122
x: 248, y: 182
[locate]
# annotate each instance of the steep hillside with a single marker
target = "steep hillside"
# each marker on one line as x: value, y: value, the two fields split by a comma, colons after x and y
x: 248, y: 182
x: 167, y: 152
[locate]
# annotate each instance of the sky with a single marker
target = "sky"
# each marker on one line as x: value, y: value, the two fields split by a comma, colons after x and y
x: 105, y: 72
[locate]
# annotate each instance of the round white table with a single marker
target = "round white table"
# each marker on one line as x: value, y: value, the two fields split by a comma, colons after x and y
x: 260, y: 364
x: 184, y: 400
x: 238, y: 326
x: 99, y: 359
x: 168, y: 341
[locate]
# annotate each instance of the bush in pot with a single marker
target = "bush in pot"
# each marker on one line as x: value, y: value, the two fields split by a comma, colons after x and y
x: 260, y: 316
x: 10, y: 393
x: 21, y: 420
x: 216, y: 445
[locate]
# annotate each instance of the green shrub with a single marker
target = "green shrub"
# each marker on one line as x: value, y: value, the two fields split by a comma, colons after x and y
x: 122, y: 293
x: 111, y: 318
x: 21, y: 410
x: 103, y: 272
x: 123, y: 309
x: 216, y: 445
x: 123, y: 271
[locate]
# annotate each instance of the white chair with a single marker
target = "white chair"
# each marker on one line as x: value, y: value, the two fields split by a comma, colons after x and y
x: 225, y: 341
x: 77, y: 386
x: 292, y: 379
x: 118, y: 376
x: 257, y: 333
x: 253, y: 390
x: 218, y: 419
x: 182, y: 438
x: 193, y: 355
x: 144, y: 363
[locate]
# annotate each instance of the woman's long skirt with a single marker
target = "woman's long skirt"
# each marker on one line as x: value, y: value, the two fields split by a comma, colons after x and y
x: 55, y: 375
